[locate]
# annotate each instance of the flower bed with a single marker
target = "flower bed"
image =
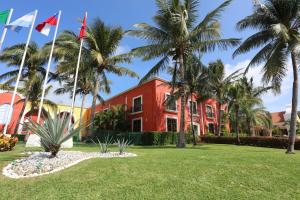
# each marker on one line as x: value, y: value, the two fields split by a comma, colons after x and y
x: 7, y: 143
x: 39, y: 163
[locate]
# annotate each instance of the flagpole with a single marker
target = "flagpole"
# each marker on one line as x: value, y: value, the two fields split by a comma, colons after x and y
x: 48, y: 68
x: 76, y: 77
x: 19, y: 74
x: 5, y: 28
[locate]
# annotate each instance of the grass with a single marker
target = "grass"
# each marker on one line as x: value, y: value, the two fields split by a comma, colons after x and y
x: 205, y: 172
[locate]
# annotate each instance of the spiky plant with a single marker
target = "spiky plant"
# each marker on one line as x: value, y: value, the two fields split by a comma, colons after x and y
x: 103, y: 146
x: 53, y: 132
x: 122, y: 144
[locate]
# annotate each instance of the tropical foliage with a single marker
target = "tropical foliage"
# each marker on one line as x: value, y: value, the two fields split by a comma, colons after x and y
x: 277, y: 25
x: 53, y: 132
x: 113, y: 119
x: 31, y: 77
x: 99, y: 53
x: 177, y: 34
x: 218, y: 85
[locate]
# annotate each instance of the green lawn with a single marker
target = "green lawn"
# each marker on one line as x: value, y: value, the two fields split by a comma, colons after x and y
x: 204, y: 172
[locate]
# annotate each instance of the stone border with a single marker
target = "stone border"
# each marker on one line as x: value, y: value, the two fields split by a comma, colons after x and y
x: 8, y: 172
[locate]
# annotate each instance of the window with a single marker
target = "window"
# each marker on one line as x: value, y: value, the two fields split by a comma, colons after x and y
x: 105, y: 109
x: 171, y: 102
x: 171, y: 124
x: 209, y: 112
x: 196, y: 128
x: 137, y: 104
x: 211, y: 128
x: 137, y: 125
x: 222, y: 115
x: 4, y: 111
x: 194, y: 106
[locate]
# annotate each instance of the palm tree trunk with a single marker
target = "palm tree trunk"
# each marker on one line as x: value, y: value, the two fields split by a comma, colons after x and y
x: 293, y: 123
x: 181, y: 138
x: 237, y: 124
x: 219, y: 119
x: 192, y: 123
x: 94, y: 107
x: 80, y: 118
x: 20, y: 116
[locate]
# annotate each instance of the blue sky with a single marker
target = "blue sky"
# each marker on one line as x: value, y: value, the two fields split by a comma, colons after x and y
x: 125, y: 14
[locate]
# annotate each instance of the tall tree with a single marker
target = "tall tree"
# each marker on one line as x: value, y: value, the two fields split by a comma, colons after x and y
x: 33, y: 68
x: 195, y: 77
x: 237, y: 97
x: 177, y: 35
x: 100, y: 46
x: 85, y: 86
x: 218, y: 84
x: 255, y: 114
x: 277, y: 23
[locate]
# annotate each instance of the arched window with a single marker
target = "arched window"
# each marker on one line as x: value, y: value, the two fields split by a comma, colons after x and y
x: 4, y: 111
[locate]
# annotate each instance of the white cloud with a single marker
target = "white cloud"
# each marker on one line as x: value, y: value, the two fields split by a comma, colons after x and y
x: 271, y: 102
x: 122, y: 49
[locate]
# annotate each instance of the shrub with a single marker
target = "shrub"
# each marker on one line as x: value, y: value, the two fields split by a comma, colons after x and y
x: 53, y: 132
x: 122, y: 144
x: 103, y: 146
x: 144, y: 138
x: 7, y: 143
x: 271, y: 142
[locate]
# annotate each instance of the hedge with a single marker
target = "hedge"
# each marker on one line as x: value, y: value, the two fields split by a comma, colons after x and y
x: 142, y: 138
x: 271, y: 142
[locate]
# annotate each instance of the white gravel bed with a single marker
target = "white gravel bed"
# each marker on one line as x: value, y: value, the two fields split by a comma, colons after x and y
x: 39, y: 163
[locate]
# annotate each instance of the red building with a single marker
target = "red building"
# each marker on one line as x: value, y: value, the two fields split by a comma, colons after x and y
x: 5, y: 101
x: 146, y: 105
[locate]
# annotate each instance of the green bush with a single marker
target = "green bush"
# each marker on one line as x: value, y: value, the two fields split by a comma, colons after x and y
x: 271, y: 142
x: 144, y: 138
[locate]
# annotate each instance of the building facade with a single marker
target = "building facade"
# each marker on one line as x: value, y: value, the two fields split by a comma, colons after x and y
x: 146, y: 105
x: 5, y: 99
x: 148, y: 111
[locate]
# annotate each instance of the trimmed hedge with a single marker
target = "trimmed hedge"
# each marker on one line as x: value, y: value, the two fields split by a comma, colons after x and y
x: 143, y: 138
x: 271, y: 142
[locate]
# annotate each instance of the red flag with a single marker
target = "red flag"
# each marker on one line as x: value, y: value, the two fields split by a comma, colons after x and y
x: 82, y: 30
x: 44, y: 27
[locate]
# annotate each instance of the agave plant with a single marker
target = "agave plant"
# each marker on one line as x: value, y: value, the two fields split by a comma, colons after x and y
x: 103, y: 146
x: 53, y: 132
x: 122, y: 144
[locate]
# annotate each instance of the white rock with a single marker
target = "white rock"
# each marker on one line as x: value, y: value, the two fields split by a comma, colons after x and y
x: 39, y: 163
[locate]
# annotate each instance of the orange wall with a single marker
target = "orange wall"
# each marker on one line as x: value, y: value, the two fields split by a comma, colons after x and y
x: 6, y: 99
x: 154, y: 113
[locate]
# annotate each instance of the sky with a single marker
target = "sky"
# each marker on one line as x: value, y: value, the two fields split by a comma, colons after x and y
x: 126, y: 13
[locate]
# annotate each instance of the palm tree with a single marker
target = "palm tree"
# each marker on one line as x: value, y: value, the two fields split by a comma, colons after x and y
x: 195, y: 77
x: 277, y: 23
x: 255, y: 113
x: 218, y: 84
x: 177, y: 35
x: 101, y: 43
x: 33, y: 68
x: 237, y: 97
x: 85, y: 86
